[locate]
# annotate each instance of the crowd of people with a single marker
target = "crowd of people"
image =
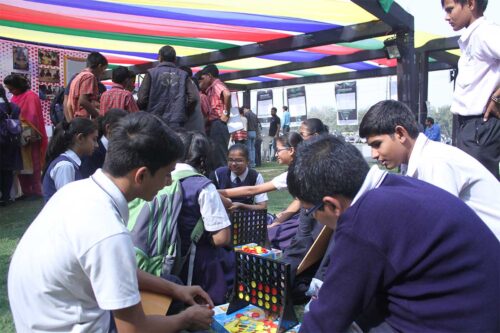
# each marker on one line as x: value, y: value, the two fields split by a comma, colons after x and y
x: 417, y: 251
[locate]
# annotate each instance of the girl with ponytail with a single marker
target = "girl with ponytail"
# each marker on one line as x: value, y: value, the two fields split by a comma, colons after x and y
x: 71, y: 142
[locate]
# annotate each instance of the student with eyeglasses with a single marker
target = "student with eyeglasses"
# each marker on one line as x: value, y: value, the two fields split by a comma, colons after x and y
x: 408, y: 256
x: 284, y: 225
x: 238, y: 173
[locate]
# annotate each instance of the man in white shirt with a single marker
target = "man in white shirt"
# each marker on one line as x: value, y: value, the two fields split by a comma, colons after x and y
x: 391, y: 131
x: 476, y: 100
x: 75, y: 265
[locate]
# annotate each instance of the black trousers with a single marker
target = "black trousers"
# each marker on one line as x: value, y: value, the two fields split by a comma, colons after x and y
x: 481, y: 140
x: 258, y: 152
x: 6, y: 180
x: 219, y: 137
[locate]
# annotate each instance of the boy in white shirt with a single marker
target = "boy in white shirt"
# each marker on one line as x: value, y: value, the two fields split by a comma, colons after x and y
x: 75, y: 265
x: 476, y: 100
x: 391, y: 131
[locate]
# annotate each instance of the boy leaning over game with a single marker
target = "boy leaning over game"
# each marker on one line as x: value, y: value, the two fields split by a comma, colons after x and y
x: 420, y: 254
x: 75, y: 265
x: 391, y: 131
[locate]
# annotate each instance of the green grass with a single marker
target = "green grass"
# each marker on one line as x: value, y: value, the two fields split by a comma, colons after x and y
x: 15, y: 218
x: 278, y: 200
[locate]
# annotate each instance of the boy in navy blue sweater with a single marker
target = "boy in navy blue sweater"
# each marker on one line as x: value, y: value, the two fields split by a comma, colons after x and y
x: 421, y: 255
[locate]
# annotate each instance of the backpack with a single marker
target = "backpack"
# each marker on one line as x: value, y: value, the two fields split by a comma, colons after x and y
x: 153, y: 226
x: 56, y: 107
x: 10, y: 129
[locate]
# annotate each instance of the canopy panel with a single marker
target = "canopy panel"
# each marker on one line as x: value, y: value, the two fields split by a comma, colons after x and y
x: 130, y: 32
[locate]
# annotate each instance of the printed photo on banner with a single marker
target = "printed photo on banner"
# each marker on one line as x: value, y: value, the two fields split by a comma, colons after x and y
x: 48, y: 58
x: 46, y: 92
x: 48, y: 75
x: 20, y: 58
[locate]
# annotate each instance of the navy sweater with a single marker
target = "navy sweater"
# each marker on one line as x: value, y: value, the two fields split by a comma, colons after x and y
x: 429, y: 257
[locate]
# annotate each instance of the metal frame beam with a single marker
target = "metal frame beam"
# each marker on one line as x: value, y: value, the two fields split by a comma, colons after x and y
x: 294, y: 66
x: 345, y: 34
x: 324, y: 78
x: 443, y: 56
x: 330, y: 78
x: 440, y: 44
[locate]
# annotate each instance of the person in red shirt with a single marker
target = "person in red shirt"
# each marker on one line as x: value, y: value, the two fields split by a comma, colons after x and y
x: 118, y: 97
x: 83, y: 92
x: 34, y: 134
x: 219, y: 102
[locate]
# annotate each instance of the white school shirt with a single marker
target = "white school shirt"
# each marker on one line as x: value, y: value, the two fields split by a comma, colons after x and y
x: 64, y: 172
x: 75, y: 261
x: 244, y: 120
x: 212, y: 209
x: 260, y: 180
x: 478, y: 68
x: 105, y: 142
x: 280, y: 181
x: 460, y: 174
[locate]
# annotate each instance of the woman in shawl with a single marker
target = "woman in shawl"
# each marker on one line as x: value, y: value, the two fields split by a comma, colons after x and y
x: 34, y: 137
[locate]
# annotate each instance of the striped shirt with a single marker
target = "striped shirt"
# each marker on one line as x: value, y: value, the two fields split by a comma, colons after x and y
x: 85, y: 83
x: 241, y: 135
x: 117, y: 98
x: 214, y: 94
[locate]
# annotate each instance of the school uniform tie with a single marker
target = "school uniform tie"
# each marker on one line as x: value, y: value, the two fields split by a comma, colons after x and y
x: 237, y: 181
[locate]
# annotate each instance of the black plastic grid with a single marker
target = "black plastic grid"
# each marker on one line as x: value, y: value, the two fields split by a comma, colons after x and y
x: 263, y: 282
x: 249, y: 226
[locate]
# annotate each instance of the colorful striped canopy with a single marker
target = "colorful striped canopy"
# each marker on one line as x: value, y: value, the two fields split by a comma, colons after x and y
x: 130, y: 32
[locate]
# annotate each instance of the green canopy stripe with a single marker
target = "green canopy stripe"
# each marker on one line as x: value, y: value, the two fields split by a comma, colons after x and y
x: 386, y: 4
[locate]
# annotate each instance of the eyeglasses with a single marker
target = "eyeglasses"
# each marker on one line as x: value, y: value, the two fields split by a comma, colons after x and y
x: 310, y: 211
x: 279, y: 150
x: 235, y: 161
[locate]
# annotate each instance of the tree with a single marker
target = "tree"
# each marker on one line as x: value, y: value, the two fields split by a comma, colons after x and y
x: 444, y: 118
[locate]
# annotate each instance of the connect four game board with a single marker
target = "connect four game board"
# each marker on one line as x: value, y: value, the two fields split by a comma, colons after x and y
x: 264, y: 283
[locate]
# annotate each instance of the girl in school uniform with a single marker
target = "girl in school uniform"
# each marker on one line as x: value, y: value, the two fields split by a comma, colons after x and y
x: 71, y: 142
x: 213, y: 264
x: 238, y: 173
x: 282, y: 229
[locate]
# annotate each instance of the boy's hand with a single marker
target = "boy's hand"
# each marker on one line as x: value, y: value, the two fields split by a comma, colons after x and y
x: 193, y: 295
x: 236, y: 206
x: 493, y: 107
x: 198, y: 317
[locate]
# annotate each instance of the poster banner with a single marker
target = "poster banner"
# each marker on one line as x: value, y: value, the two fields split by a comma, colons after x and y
x: 264, y: 105
x: 345, y: 94
x: 297, y: 105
